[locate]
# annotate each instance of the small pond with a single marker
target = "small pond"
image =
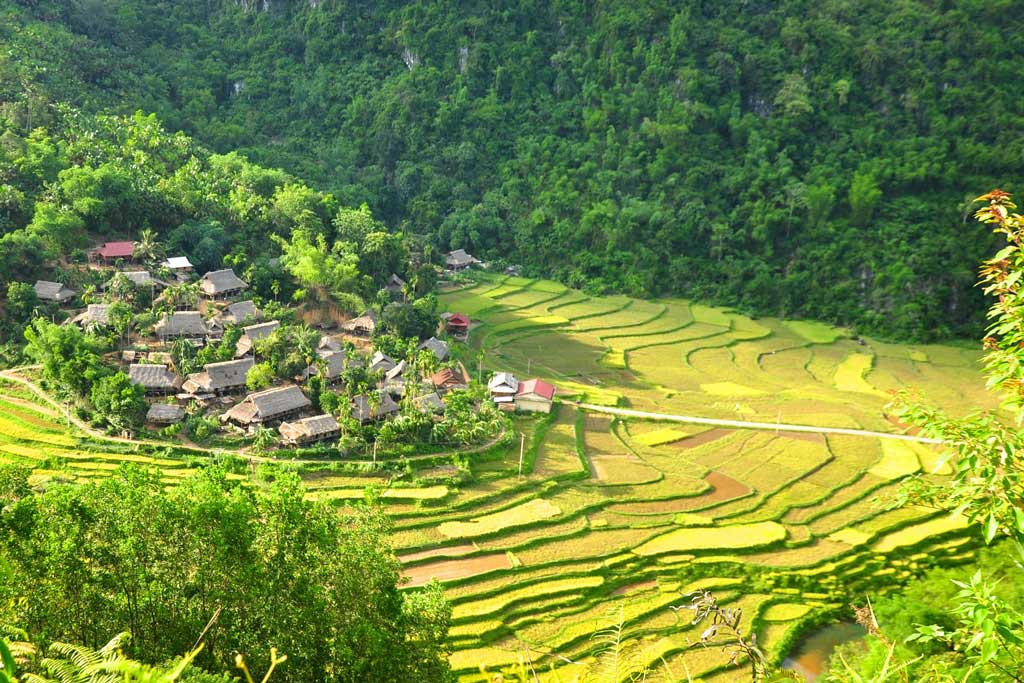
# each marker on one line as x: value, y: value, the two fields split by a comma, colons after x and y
x: 811, y: 655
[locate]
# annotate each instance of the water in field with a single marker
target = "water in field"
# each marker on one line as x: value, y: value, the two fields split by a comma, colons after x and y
x: 811, y: 655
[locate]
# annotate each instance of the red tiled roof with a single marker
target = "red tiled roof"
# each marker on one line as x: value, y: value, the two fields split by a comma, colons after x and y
x: 459, y: 320
x: 536, y: 386
x: 116, y: 249
x: 448, y: 377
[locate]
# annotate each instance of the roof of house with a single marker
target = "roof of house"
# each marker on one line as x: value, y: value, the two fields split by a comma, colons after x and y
x: 165, y: 412
x: 458, y: 320
x: 182, y: 323
x: 503, y: 380
x: 329, y: 344
x: 459, y: 257
x: 52, y: 291
x: 177, y: 263
x: 238, y: 312
x: 367, y: 321
x: 217, y: 376
x: 448, y: 377
x: 538, y: 387
x: 309, y: 427
x: 429, y: 402
x: 363, y: 411
x: 139, y: 278
x: 218, y: 281
x: 153, y: 376
x: 439, y: 348
x: 381, y: 362
x: 397, y: 371
x: 334, y: 363
x: 394, y: 283
x: 268, y: 404
x: 116, y: 249
x: 98, y: 314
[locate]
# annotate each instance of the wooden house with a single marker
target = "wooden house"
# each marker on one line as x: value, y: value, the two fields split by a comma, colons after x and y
x: 53, y: 291
x: 112, y: 251
x: 309, y: 430
x: 457, y: 325
x: 458, y: 260
x: 535, y: 396
x: 218, y: 284
x: 154, y: 378
x: 395, y: 286
x: 381, y: 362
x: 437, y: 347
x: 429, y: 403
x: 218, y: 378
x: 503, y: 387
x: 165, y: 414
x: 268, y: 406
x: 178, y: 265
x: 364, y: 412
x: 363, y: 326
x: 450, y: 379
x: 94, y: 315
x: 182, y: 324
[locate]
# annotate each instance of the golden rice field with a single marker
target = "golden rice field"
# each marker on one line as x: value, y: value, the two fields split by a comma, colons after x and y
x: 619, y: 518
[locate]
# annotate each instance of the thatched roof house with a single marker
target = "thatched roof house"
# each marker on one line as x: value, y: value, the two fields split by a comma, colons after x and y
x: 460, y: 260
x: 450, y: 379
x: 53, y: 291
x: 364, y: 412
x: 218, y: 378
x: 189, y: 324
x: 381, y: 362
x: 395, y: 285
x: 271, y: 405
x: 139, y: 278
x: 333, y: 364
x: 218, y: 283
x: 94, y: 314
x: 154, y: 378
x: 238, y: 312
x: 165, y: 413
x: 364, y: 326
x: 438, y: 347
x: 309, y: 430
x: 429, y: 403
x: 252, y: 334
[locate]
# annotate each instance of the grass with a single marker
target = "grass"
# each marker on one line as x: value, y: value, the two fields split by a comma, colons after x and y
x: 531, y: 512
x: 785, y: 611
x: 739, y: 536
x: 660, y: 437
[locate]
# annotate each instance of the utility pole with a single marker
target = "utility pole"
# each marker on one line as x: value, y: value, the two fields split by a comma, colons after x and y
x: 522, y: 444
x: 375, y: 452
x: 529, y: 364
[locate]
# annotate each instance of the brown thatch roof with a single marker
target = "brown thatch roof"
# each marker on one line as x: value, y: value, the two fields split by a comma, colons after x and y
x: 268, y: 405
x: 438, y: 347
x: 460, y: 259
x: 94, y: 314
x: 364, y: 324
x: 309, y: 428
x: 252, y: 334
x: 53, y: 291
x: 153, y: 376
x: 429, y: 403
x: 182, y: 324
x: 238, y: 312
x: 221, y: 281
x: 165, y: 413
x: 364, y: 412
x: 219, y: 376
x: 381, y: 362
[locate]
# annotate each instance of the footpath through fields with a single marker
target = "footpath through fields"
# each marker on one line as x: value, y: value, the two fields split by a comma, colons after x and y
x: 743, y: 424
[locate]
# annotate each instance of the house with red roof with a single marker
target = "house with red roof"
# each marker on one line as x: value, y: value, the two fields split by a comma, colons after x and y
x: 535, y: 396
x: 457, y: 325
x: 111, y: 251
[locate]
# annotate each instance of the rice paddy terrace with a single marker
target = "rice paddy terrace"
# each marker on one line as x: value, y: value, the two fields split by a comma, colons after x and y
x: 617, y: 518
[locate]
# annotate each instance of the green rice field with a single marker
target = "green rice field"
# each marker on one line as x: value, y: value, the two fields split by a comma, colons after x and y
x: 619, y: 518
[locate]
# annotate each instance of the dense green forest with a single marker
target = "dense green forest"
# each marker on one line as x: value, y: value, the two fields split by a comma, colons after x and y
x: 797, y: 158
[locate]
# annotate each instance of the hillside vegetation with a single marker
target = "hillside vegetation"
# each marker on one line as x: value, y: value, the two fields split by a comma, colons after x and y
x: 791, y: 157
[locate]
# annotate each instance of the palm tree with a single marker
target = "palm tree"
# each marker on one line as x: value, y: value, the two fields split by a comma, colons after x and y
x: 148, y: 248
x: 262, y: 439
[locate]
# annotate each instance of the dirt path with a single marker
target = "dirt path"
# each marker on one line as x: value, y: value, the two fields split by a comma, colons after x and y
x: 743, y: 424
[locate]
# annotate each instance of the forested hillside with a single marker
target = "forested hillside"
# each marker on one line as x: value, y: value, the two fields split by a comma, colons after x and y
x: 795, y: 157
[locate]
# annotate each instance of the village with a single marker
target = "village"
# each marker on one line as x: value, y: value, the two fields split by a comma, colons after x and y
x: 214, y: 355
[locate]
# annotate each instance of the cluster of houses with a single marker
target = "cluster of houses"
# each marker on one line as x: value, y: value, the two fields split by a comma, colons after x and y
x: 532, y: 395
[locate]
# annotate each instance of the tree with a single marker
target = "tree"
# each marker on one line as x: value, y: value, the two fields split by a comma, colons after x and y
x: 259, y: 376
x: 70, y: 358
x: 864, y: 196
x: 120, y: 402
x: 148, y: 248
x: 126, y: 553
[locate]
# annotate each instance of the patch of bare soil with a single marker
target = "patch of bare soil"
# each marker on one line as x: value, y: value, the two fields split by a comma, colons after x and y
x: 455, y: 569
x: 635, y: 587
x: 702, y: 438
x: 448, y: 551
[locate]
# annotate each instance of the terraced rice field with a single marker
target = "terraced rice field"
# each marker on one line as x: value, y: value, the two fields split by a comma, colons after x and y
x: 619, y: 518
x: 647, y: 511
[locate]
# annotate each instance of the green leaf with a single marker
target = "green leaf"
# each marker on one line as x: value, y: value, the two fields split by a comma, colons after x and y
x: 992, y: 528
x: 7, y: 660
